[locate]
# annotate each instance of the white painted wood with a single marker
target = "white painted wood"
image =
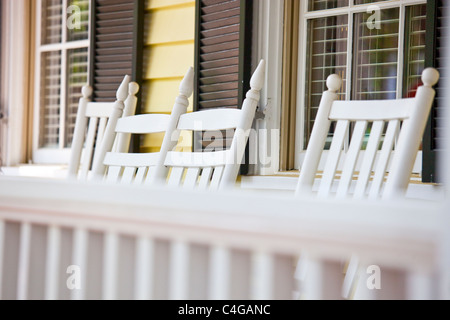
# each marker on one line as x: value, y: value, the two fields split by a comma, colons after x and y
x: 240, y: 138
x: 110, y: 263
x: 369, y: 159
x: 216, y: 177
x: 89, y: 150
x: 262, y: 276
x: 53, y: 263
x: 419, y: 286
x: 131, y: 159
x: 79, y: 258
x: 219, y: 277
x: 205, y: 178
x: 114, y: 173
x: 124, y: 139
x: 144, y: 269
x: 140, y: 175
x: 210, y: 120
x: 336, y: 150
x: 178, y: 275
x: 175, y: 176
x: 381, y: 166
x: 375, y: 231
x: 351, y: 158
x: 324, y: 280
x: 2, y: 258
x: 24, y: 261
x: 128, y: 175
x: 99, y: 109
x: 101, y: 128
x: 191, y: 179
x: 318, y: 137
x: 143, y: 123
x: 196, y: 159
x: 371, y: 110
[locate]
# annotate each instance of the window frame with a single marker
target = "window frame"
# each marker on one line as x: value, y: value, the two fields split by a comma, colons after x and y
x: 349, y: 10
x: 61, y: 154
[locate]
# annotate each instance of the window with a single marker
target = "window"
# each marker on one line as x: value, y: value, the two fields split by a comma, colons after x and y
x: 377, y: 47
x: 62, y: 60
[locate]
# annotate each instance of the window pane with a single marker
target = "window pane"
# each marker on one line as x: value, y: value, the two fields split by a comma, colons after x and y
x: 50, y: 99
x: 314, y: 5
x: 375, y: 56
x: 77, y: 73
x: 51, y: 21
x: 367, y: 1
x: 327, y: 54
x: 78, y: 20
x: 414, y: 48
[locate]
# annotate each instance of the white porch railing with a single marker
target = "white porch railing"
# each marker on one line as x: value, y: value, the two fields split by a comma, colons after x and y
x: 71, y: 240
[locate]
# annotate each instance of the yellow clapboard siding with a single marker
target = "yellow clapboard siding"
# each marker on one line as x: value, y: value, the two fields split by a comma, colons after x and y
x: 155, y: 4
x: 160, y: 95
x: 170, y: 25
x: 168, y: 60
x: 154, y: 141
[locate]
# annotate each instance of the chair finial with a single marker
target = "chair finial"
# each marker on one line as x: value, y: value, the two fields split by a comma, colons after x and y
x: 430, y: 77
x: 122, y: 92
x: 87, y: 91
x: 257, y: 80
x: 133, y: 88
x: 334, y: 82
x: 187, y: 84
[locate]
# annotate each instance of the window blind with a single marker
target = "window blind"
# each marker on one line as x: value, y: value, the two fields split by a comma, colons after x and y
x: 376, y: 57
x: 327, y: 54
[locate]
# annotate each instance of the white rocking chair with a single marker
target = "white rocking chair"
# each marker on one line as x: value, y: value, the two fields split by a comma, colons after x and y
x: 95, y: 118
x: 204, y: 170
x: 384, y: 173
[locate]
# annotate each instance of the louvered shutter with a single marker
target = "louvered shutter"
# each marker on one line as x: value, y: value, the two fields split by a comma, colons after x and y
x: 223, y: 62
x: 115, y: 48
x: 432, y: 142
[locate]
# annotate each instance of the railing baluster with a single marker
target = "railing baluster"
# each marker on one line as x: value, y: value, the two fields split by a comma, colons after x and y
x: 179, y: 272
x: 262, y: 276
x: 52, y: 265
x: 110, y: 261
x: 144, y: 269
x: 24, y: 261
x: 219, y: 278
x: 81, y: 238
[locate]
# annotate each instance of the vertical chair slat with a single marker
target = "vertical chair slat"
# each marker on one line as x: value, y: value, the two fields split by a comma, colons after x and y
x: 144, y: 281
x: 89, y: 147
x: 205, y: 178
x: 351, y: 158
x: 178, y: 274
x: 128, y: 175
x: 140, y: 175
x: 114, y: 173
x: 150, y: 175
x: 191, y: 178
x: 80, y: 245
x: 110, y: 262
x: 383, y: 160
x: 101, y: 129
x: 419, y: 286
x: 24, y: 261
x: 52, y: 265
x: 262, y: 276
x: 369, y: 159
x: 333, y: 157
x: 216, y: 177
x: 219, y: 277
x: 175, y: 176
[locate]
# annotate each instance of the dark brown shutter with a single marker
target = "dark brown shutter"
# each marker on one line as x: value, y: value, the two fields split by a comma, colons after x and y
x: 432, y: 142
x: 117, y: 28
x: 223, y: 60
